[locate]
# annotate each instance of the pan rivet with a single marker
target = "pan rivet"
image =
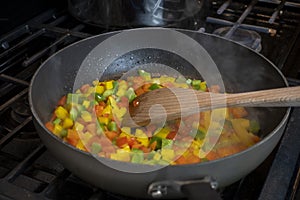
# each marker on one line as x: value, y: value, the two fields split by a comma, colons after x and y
x: 156, y: 194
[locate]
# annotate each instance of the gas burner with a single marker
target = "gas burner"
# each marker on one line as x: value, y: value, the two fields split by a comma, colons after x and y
x: 20, y: 111
x: 16, y: 115
x: 246, y: 37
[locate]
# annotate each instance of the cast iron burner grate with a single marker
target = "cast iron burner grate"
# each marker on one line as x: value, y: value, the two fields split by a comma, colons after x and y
x: 27, y: 169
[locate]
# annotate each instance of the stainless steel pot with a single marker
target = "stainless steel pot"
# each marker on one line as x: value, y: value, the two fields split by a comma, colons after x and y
x: 139, y: 13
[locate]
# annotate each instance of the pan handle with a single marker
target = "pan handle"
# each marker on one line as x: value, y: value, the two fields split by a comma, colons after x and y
x: 203, y: 188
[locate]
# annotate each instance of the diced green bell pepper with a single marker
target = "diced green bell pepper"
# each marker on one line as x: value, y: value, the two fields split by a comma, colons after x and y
x: 112, y: 126
x: 254, y: 126
x: 99, y: 97
x: 158, y: 142
x: 73, y: 98
x: 56, y: 121
x: 116, y: 86
x: 166, y: 143
x: 100, y: 129
x: 130, y: 94
x: 180, y: 79
x: 96, y: 148
x: 154, y: 86
x: 137, y: 156
x: 107, y: 93
x: 73, y: 113
x: 64, y: 133
x: 188, y: 81
x: 144, y: 74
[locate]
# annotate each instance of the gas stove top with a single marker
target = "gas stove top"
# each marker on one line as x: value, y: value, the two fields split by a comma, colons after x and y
x: 27, y: 169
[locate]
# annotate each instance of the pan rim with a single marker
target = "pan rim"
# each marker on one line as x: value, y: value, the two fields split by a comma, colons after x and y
x: 267, y: 137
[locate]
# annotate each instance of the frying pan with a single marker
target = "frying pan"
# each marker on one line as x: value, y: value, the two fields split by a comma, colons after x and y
x: 241, y: 69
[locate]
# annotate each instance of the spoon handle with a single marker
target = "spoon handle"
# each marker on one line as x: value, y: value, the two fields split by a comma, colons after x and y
x: 279, y: 97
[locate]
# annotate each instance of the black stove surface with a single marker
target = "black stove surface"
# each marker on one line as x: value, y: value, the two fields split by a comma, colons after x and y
x: 28, y: 170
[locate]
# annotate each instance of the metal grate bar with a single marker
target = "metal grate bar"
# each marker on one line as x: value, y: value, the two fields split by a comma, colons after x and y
x: 288, y: 3
x: 244, y: 26
x: 65, y: 31
x: 41, y: 53
x: 241, y: 19
x: 4, y: 41
x: 13, y: 80
x: 223, y: 7
x: 276, y: 12
x: 28, y: 160
x: 281, y: 172
x: 23, y: 42
x: 45, y: 50
x: 12, y: 100
x: 11, y: 134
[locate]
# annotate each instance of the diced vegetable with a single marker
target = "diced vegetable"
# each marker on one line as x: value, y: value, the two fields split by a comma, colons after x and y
x: 130, y: 94
x: 254, y: 126
x: 91, y: 120
x: 61, y: 112
x: 96, y: 148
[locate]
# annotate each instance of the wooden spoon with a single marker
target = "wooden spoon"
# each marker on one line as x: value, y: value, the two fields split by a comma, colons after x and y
x: 178, y: 102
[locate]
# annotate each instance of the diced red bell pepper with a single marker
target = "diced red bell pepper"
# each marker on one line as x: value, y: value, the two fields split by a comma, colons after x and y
x: 84, y: 88
x: 121, y: 141
x: 111, y: 135
x: 171, y: 135
x: 98, y: 110
x: 62, y: 101
x: 49, y: 126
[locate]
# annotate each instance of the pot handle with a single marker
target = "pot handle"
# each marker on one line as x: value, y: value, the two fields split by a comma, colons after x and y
x: 203, y: 188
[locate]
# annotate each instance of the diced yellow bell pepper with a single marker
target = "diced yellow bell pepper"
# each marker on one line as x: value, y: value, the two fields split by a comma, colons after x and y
x: 107, y: 110
x: 220, y: 114
x: 103, y: 120
x: 157, y: 156
x: 244, y: 122
x: 162, y: 133
x: 67, y: 123
x: 123, y: 134
x: 126, y: 130
x: 119, y: 113
x: 80, y: 145
x: 242, y: 132
x: 121, y: 155
x: 181, y: 85
x: 86, y: 116
x: 206, y: 119
x: 167, y: 154
x: 109, y: 85
x: 203, y: 86
x: 99, y: 89
x: 57, y: 129
x: 61, y: 112
x: 78, y: 126
x: 126, y: 148
x: 142, y: 137
x: 112, y: 102
x: 86, y: 104
x: 195, y: 125
x: 85, y: 137
x: 122, y: 88
x: 89, y: 92
x: 166, y: 79
x: 95, y: 82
